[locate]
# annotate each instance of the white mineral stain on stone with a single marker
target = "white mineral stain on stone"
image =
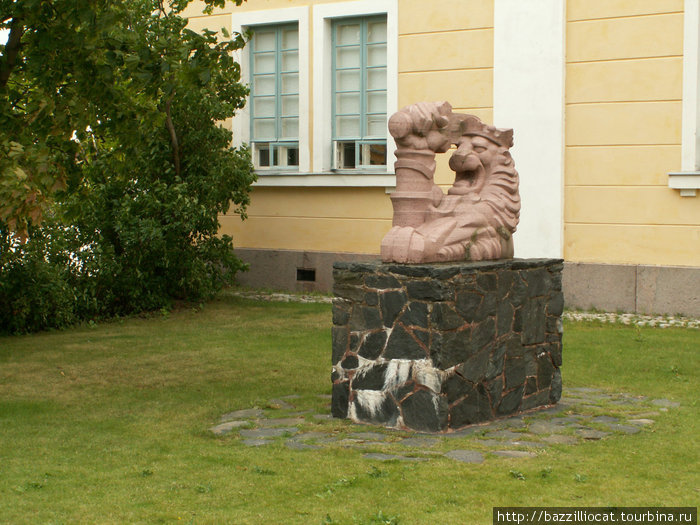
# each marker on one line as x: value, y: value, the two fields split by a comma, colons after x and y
x: 397, y: 373
x: 370, y: 400
x: 425, y: 374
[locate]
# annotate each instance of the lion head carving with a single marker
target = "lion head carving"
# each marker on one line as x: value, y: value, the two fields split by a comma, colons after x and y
x: 479, y: 214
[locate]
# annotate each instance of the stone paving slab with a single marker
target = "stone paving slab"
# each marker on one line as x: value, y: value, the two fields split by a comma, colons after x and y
x: 580, y: 419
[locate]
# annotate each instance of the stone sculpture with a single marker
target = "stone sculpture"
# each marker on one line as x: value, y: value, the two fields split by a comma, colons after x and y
x: 476, y: 219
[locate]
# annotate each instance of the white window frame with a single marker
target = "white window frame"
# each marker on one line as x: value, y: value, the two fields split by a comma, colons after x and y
x: 240, y: 21
x: 688, y: 179
x: 323, y: 16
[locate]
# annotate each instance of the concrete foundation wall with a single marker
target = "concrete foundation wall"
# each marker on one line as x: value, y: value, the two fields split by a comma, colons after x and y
x: 608, y: 287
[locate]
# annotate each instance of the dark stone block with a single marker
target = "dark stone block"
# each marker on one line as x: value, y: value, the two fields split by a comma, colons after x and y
x: 455, y: 348
x: 412, y: 270
x: 423, y: 336
x: 554, y: 277
x: 496, y: 363
x: 475, y: 368
x: 518, y: 320
x: 555, y: 390
x: 535, y: 400
x: 488, y: 308
x: 505, y: 283
x: 357, y: 266
x: 518, y: 292
x: 373, y: 345
x: 334, y: 376
x: 556, y: 304
x: 545, y: 371
x: 514, y: 372
x: 432, y: 290
x: 371, y: 299
x: 456, y: 387
x: 346, y: 277
x: 511, y: 401
x: 419, y: 411
x: 339, y: 399
x: 487, y: 282
x: 555, y: 353
x: 495, y: 390
x: 382, y: 281
x: 468, y: 305
x: 350, y: 362
x: 351, y: 293
x: 530, y: 355
x: 369, y: 377
x: 391, y: 304
x: 339, y: 335
x: 530, y: 386
x: 505, y: 319
x: 537, y: 280
x: 415, y: 314
x: 483, y: 334
x: 444, y: 317
x: 444, y: 272
x: 402, y: 391
x: 387, y: 413
x: 341, y: 312
x: 365, y: 318
x: 402, y: 346
x: 355, y: 339
x: 533, y: 322
x: 474, y: 408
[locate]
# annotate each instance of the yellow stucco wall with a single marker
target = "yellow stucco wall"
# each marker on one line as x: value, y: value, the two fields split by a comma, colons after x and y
x: 624, y: 67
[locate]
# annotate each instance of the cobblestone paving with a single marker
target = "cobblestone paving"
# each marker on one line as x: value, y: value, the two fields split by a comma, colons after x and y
x: 583, y: 414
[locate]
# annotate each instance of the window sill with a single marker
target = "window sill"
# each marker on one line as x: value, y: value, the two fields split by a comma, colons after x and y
x: 327, y: 179
x: 685, y: 181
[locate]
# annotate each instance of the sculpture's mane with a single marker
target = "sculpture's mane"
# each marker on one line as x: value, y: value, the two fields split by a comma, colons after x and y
x: 500, y: 191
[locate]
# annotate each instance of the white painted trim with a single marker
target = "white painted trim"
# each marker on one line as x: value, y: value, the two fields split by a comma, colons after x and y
x: 528, y: 96
x: 690, y: 120
x: 241, y: 123
x: 334, y: 180
x: 687, y: 181
x: 322, y: 16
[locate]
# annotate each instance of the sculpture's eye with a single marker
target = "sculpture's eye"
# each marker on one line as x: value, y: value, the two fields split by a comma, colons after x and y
x: 479, y: 149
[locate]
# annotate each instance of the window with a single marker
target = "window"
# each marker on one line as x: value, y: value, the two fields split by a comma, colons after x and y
x: 359, y: 93
x: 274, y: 96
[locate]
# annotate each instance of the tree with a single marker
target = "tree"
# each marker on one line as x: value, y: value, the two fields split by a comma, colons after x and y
x: 112, y: 164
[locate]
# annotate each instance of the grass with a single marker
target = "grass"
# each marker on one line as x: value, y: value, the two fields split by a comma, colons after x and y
x: 109, y: 424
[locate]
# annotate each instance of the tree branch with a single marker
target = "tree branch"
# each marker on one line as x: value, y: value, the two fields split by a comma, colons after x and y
x: 8, y: 61
x: 173, y: 135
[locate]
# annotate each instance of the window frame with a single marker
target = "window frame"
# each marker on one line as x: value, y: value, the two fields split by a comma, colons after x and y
x: 279, y: 142
x: 323, y: 17
x: 241, y: 126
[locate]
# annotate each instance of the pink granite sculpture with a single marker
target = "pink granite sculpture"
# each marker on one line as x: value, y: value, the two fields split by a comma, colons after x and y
x: 476, y: 219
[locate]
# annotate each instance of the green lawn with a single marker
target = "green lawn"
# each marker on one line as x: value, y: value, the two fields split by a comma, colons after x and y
x: 109, y: 424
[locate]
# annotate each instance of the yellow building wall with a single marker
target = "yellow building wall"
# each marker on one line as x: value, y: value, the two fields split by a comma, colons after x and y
x: 445, y: 53
x: 624, y: 67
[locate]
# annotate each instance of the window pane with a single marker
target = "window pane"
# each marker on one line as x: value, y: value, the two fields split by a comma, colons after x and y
x: 290, y: 61
x: 376, y: 55
x: 376, y: 102
x: 373, y: 154
x: 376, y: 125
x: 264, y: 63
x: 290, y: 38
x: 264, y: 128
x: 347, y: 126
x: 290, y: 83
x: 347, y: 103
x: 288, y: 155
x: 347, y: 57
x: 376, y: 31
x: 345, y: 155
x: 263, y: 40
x: 376, y: 78
x: 290, y: 128
x: 290, y: 105
x: 264, y: 84
x: 262, y: 155
x: 347, y: 34
x: 264, y: 106
x: 348, y: 80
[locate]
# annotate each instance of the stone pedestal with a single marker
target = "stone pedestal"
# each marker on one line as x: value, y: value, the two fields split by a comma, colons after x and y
x: 439, y: 346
